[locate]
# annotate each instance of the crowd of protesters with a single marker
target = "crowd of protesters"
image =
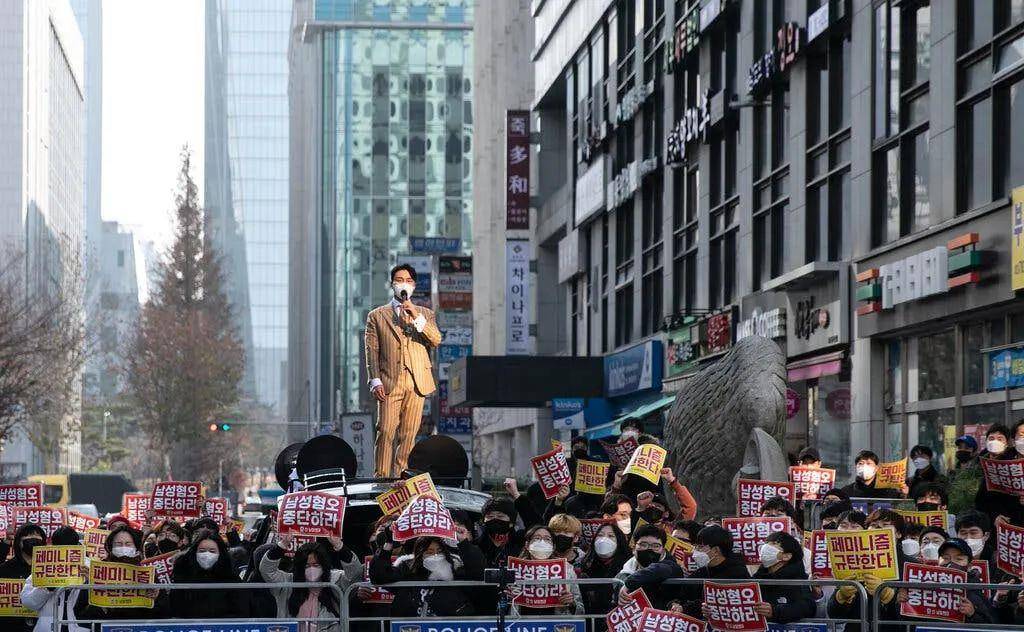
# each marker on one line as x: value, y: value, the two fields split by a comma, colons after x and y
x: 628, y: 550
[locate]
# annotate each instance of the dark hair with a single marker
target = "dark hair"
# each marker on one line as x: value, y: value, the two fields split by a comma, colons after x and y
x: 632, y: 423
x: 403, y: 266
x: 889, y: 515
x: 788, y: 544
x: 611, y: 503
x: 716, y: 537
x: 866, y: 455
x: 836, y: 509
x: 205, y: 523
x: 298, y: 595
x: 532, y: 531
x: 973, y: 518
x: 931, y: 488
x: 172, y: 527
x: 912, y: 529
x: 188, y: 568
x: 854, y: 516
x: 65, y: 536
x: 778, y: 503
x: 650, y: 531
x: 922, y: 450
x: 622, y: 552
x: 135, y: 535
x: 691, y: 527
x: 999, y: 429
x: 938, y: 530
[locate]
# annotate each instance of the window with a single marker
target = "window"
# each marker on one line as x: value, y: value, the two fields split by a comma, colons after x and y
x: 652, y: 284
x: 936, y: 365
x: 624, y: 315
x: 771, y: 192
x: 120, y: 258
x: 722, y: 268
x: 978, y: 336
x: 685, y: 196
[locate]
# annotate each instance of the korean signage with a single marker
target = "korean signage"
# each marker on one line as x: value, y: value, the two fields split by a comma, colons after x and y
x: 788, y: 42
x: 54, y: 566
x: 452, y: 419
x: 647, y: 461
x: 517, y: 170
x: 569, y: 256
x: 817, y: 22
x: 751, y: 494
x: 679, y: 350
x: 537, y: 596
x: 620, y: 453
x: 891, y: 475
x: 180, y: 499
x: 710, y: 12
x: 820, y: 567
x: 1005, y: 477
x: 592, y: 477
x: 112, y: 573
x: 165, y: 626
x: 627, y: 181
x: 692, y: 125
x: 713, y: 334
x: 854, y: 554
x: 311, y: 513
x: 517, y: 297
x: 630, y: 103
x: 748, y: 534
x: 811, y: 482
x: 1009, y: 548
x: 635, y: 369
x: 49, y: 519
x: 1017, y: 239
x: 625, y: 617
x: 552, y: 472
x: 686, y: 37
x: 434, y: 245
x: 357, y: 431
x: 590, y: 191
x: 767, y: 324
x: 163, y: 567
x: 817, y: 317
x: 22, y: 495
x: 446, y: 625
x: 455, y: 283
x: 567, y: 413
x: 652, y: 620
x: 10, y: 599
x: 918, y: 276
x: 425, y: 516
x: 941, y: 604
x: 456, y: 328
x: 731, y: 607
x: 1006, y: 369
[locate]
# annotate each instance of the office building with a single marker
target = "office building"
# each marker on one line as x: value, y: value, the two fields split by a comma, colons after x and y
x: 121, y: 271
x: 89, y: 15
x: 246, y: 179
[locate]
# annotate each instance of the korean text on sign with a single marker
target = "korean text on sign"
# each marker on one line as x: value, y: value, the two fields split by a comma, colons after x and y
x: 854, y: 554
x: 682, y: 552
x: 552, y: 472
x: 112, y: 573
x: 10, y: 599
x: 311, y: 513
x: 1009, y: 548
x: 54, y: 566
x: 376, y: 594
x: 217, y: 508
x: 647, y: 462
x: 162, y: 565
x: 652, y: 620
x: 49, y: 519
x: 94, y: 540
x: 820, y: 568
x: 81, y: 522
x: 748, y: 534
x: 538, y: 596
x: 394, y: 500
x: 22, y: 495
x: 620, y: 453
x: 517, y: 170
x: 1006, y: 477
x: 179, y: 499
x: 135, y: 508
x: 750, y: 495
x: 626, y: 617
x: 731, y: 607
x: 927, y: 518
x: 811, y: 483
x: 591, y: 477
x: 891, y: 475
x: 6, y: 519
x: 425, y: 516
x: 590, y: 528
x: 939, y: 603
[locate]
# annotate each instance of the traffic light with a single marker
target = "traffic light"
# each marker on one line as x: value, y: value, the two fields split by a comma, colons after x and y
x: 213, y: 427
x: 224, y: 427
x: 221, y: 427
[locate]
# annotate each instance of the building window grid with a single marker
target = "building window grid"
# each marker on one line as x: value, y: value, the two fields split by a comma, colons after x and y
x: 771, y: 192
x: 652, y: 257
x: 685, y: 233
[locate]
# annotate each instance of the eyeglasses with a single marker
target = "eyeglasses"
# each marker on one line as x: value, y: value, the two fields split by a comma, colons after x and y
x: 649, y: 546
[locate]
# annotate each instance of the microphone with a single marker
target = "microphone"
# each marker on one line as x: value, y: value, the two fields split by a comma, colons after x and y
x: 403, y: 295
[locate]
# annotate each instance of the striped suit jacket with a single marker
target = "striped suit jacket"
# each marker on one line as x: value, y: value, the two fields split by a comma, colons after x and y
x: 386, y: 338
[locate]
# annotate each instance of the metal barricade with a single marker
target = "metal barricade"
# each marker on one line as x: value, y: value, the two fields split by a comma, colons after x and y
x: 62, y: 593
x: 935, y: 624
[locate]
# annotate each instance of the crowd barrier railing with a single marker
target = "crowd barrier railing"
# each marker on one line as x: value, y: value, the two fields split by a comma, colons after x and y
x: 935, y: 624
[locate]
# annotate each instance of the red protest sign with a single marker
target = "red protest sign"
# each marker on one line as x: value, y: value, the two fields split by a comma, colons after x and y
x: 311, y: 513
x: 750, y: 495
x: 80, y: 522
x: 1006, y: 477
x: 626, y: 617
x: 134, y: 507
x: 177, y: 499
x: 424, y: 516
x: 590, y: 528
x: 552, y: 472
x: 162, y: 565
x: 981, y: 566
x: 820, y: 567
x: 811, y: 483
x: 1009, y: 548
x: 620, y: 453
x: 6, y: 519
x: 22, y: 494
x: 652, y: 620
x: 939, y: 603
x: 376, y: 593
x: 543, y: 596
x: 731, y: 607
x: 748, y: 534
x: 217, y: 508
x: 49, y: 519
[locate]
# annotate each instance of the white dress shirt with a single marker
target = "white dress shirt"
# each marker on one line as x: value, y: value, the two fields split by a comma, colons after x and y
x: 419, y: 323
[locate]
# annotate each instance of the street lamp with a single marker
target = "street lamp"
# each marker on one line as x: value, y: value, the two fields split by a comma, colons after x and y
x: 106, y: 416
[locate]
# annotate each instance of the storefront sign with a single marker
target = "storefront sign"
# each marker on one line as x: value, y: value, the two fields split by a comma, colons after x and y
x: 817, y: 317
x: 632, y: 100
x: 767, y: 324
x: 692, y: 125
x: 635, y: 369
x: 1006, y: 369
x: 455, y: 283
x: 567, y: 413
x: 517, y: 170
x: 434, y: 245
x: 1017, y: 239
x: 679, y: 350
x: 590, y: 191
x: 517, y: 297
x: 817, y: 22
x: 713, y: 334
x: 788, y: 43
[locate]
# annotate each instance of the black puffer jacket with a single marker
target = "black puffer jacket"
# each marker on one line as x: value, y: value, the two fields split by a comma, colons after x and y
x: 789, y: 603
x: 733, y: 567
x: 440, y: 602
x: 18, y: 568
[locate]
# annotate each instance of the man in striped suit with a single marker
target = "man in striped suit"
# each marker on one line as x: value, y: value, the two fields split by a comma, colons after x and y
x: 398, y: 338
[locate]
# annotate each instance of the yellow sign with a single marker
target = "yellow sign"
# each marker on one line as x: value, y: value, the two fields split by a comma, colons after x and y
x: 591, y: 477
x: 855, y: 554
x: 892, y: 475
x: 647, y: 462
x: 113, y: 573
x: 926, y: 518
x: 681, y: 550
x: 394, y: 500
x: 10, y: 599
x: 54, y: 566
x: 1017, y: 238
x: 94, y: 539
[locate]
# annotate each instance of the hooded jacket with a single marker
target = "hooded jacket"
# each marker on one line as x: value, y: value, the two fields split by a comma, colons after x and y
x: 789, y: 603
x: 412, y: 602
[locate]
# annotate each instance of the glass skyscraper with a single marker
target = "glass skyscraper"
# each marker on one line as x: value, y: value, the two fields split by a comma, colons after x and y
x: 388, y: 87
x: 246, y: 177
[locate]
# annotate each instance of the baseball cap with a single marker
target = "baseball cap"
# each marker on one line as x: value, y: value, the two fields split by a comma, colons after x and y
x: 967, y: 440
x: 958, y: 544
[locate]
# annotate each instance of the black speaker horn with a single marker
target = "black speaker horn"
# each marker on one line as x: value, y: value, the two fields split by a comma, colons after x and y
x: 443, y: 457
x: 326, y: 461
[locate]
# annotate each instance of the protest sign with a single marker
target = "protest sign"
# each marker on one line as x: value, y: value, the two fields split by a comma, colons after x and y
x: 590, y: 528
x: 54, y: 566
x: 731, y: 607
x: 557, y: 623
x: 652, y: 620
x: 552, y: 471
x: 6, y: 519
x: 135, y: 507
x: 939, y: 603
x: 162, y: 565
x: 49, y: 519
x: 748, y: 534
x: 545, y: 596
x: 811, y: 483
x: 394, y: 500
x: 81, y: 522
x: 1009, y: 548
x: 926, y: 518
x: 620, y: 453
x: 891, y: 475
x: 1006, y: 477
x: 750, y: 495
x: 177, y: 499
x: 10, y: 599
x: 820, y: 568
x: 981, y: 566
x: 94, y: 540
x: 682, y: 552
x: 647, y: 461
x: 112, y: 573
x: 592, y: 477
x: 22, y: 494
x: 311, y: 513
x: 626, y: 617
x: 376, y: 593
x: 217, y: 508
x: 425, y: 516
x: 854, y: 554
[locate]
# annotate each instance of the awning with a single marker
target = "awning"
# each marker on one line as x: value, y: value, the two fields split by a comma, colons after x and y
x: 818, y: 366
x: 605, y: 430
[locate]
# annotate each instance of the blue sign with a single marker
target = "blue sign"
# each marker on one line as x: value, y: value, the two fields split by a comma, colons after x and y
x: 451, y: 353
x: 455, y: 425
x: 1006, y: 369
x: 222, y: 626
x: 434, y: 245
x: 553, y: 625
x: 800, y: 627
x: 635, y: 369
x: 567, y: 413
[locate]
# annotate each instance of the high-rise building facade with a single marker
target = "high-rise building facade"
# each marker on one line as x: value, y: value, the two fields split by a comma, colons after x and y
x: 382, y: 95
x: 89, y: 15
x: 246, y: 178
x: 120, y: 270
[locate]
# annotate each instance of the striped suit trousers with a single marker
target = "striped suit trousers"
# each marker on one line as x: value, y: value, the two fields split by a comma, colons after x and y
x: 398, y: 421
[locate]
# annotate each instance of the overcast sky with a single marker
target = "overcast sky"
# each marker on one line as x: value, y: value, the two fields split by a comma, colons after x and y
x: 152, y: 105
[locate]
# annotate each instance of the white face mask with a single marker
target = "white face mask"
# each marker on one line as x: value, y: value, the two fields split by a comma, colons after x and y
x: 313, y: 573
x: 977, y: 545
x: 1019, y: 444
x: 439, y: 567
x: 866, y: 471
x: 628, y: 434
x: 625, y: 526
x: 930, y: 552
x: 769, y: 555
x: 408, y: 287
x: 605, y: 547
x: 206, y: 559
x: 541, y: 549
x: 124, y: 551
x: 920, y: 463
x: 700, y: 559
x: 995, y: 446
x: 911, y: 547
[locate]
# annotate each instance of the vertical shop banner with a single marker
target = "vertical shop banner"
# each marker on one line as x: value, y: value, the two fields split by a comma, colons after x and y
x: 940, y: 603
x: 731, y: 607
x: 357, y: 431
x: 750, y: 495
x: 854, y: 554
x: 538, y: 596
x: 517, y: 170
x: 22, y: 494
x: 626, y: 617
x: 1009, y: 548
x: 748, y: 534
x: 552, y: 472
x: 591, y: 477
x: 1017, y: 238
x: 178, y: 499
x: 455, y: 283
x: 891, y: 475
x: 811, y: 482
x: 1006, y: 477
x: 517, y: 297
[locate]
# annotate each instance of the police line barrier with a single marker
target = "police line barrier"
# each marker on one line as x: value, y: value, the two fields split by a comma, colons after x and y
x: 928, y: 625
x: 178, y: 624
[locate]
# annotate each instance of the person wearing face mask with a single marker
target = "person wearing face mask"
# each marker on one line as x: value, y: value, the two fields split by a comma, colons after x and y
x: 1000, y: 445
x: 652, y: 508
x: 398, y: 340
x: 618, y: 508
x: 779, y: 507
x: 930, y: 497
x: 312, y: 563
x: 207, y: 561
x: 499, y: 539
x: 715, y: 559
x: 567, y: 530
x: 975, y: 528
x: 540, y: 545
x: 41, y: 599
x: 608, y: 553
x: 955, y: 553
x: 649, y: 567
x: 921, y: 457
x: 123, y: 546
x: 168, y: 537
x: 782, y: 558
x: 966, y: 475
x: 866, y: 466
x: 929, y: 542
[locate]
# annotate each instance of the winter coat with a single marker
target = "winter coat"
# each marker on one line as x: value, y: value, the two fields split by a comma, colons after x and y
x: 600, y: 598
x: 206, y: 603
x: 650, y: 578
x: 733, y: 567
x: 423, y: 601
x: 495, y: 556
x: 860, y: 489
x: 996, y: 504
x: 17, y: 568
x: 351, y: 572
x: 789, y: 603
x: 924, y: 477
x: 83, y: 611
x: 42, y: 601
